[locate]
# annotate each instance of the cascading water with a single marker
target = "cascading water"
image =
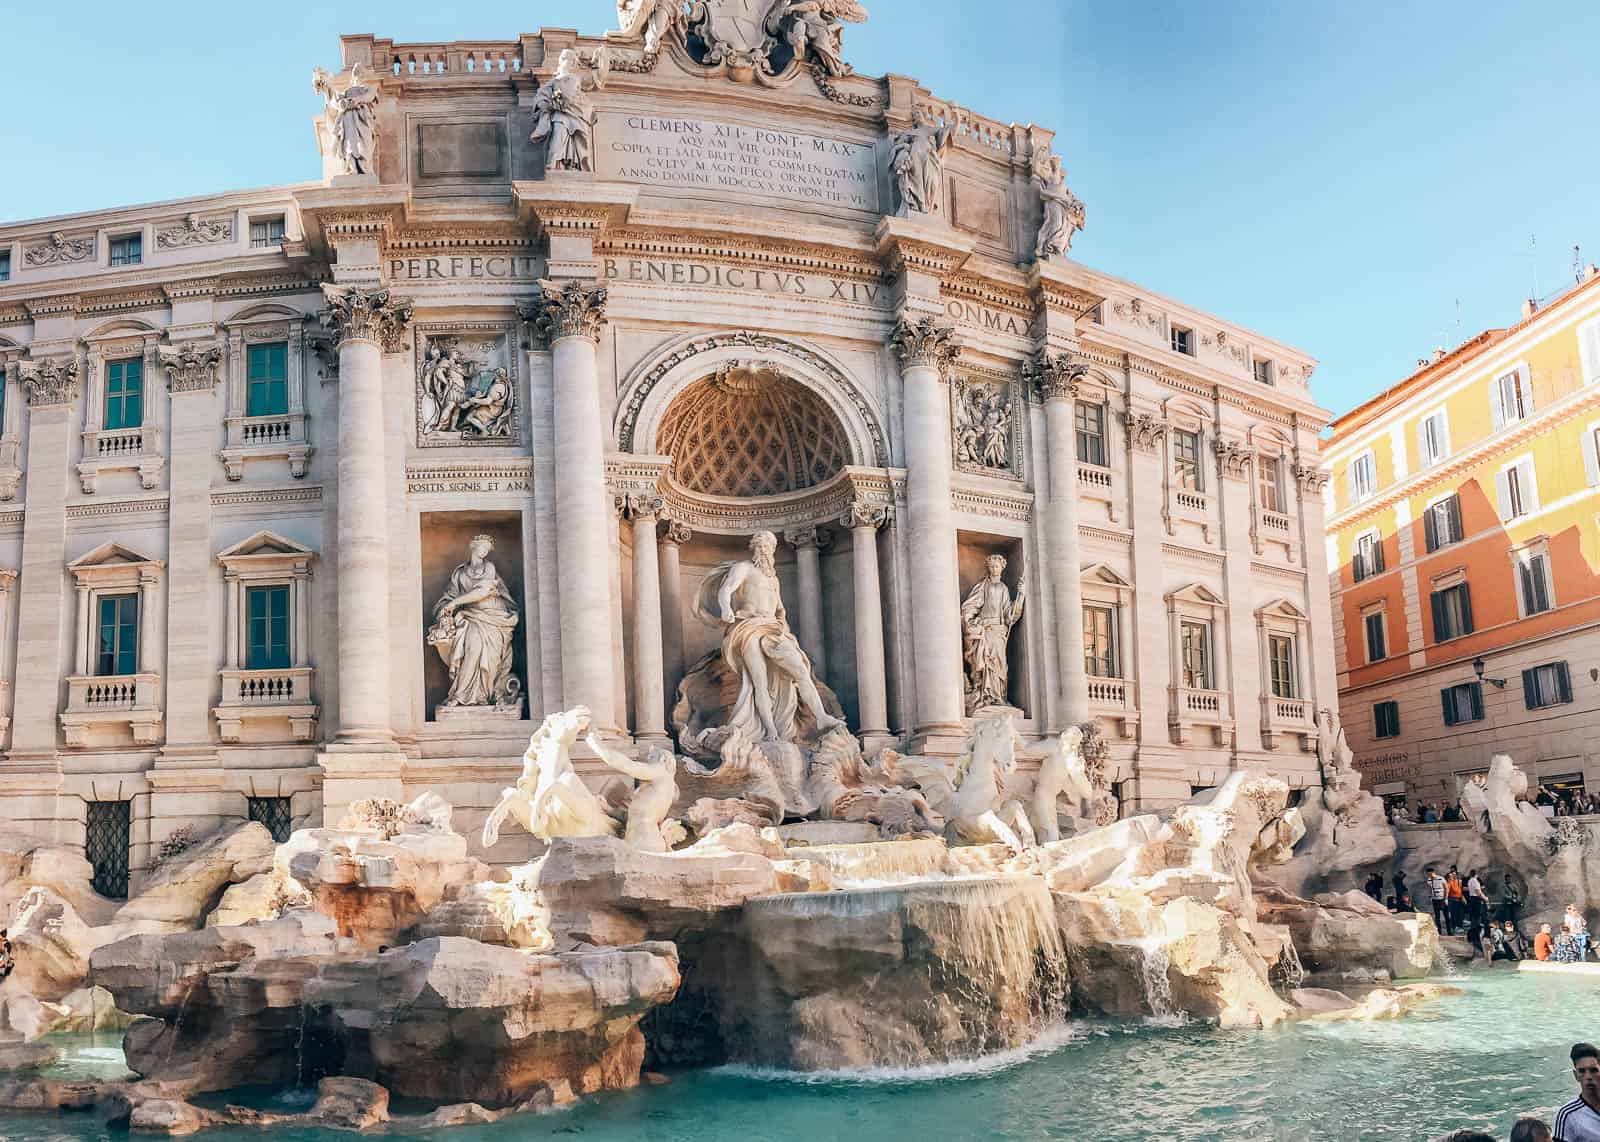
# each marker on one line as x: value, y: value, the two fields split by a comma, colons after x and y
x: 1154, y: 961
x: 1288, y: 970
x: 881, y: 862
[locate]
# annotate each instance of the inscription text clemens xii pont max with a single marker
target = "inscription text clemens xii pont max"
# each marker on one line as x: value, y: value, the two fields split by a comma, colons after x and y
x: 732, y: 156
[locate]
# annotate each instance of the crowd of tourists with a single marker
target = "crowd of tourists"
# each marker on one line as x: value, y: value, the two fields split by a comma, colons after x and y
x: 1463, y: 906
x: 1577, y: 1121
x: 1550, y: 802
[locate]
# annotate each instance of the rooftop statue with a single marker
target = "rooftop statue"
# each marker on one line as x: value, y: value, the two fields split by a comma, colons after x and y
x: 917, y: 161
x: 774, y: 673
x: 352, y: 117
x: 564, y: 113
x: 649, y: 20
x: 812, y: 29
x: 1063, y: 212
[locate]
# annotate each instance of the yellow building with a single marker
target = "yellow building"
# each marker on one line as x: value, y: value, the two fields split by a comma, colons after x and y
x: 1464, y: 542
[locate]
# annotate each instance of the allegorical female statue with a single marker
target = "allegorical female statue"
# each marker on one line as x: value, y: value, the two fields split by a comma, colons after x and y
x: 987, y: 616
x: 473, y: 624
x: 917, y: 162
x: 1063, y: 212
x: 352, y: 117
x: 564, y: 113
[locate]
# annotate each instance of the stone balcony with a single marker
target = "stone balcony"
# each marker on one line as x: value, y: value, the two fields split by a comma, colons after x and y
x: 1115, y: 700
x: 121, y: 449
x: 1210, y: 711
x: 266, y: 705
x: 1291, y: 716
x: 277, y: 437
x: 101, y: 709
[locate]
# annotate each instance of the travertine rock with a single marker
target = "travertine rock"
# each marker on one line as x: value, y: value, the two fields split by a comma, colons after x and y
x: 1341, y: 932
x: 27, y: 1056
x: 26, y: 864
x: 350, y: 1104
x: 265, y: 896
x: 183, y: 889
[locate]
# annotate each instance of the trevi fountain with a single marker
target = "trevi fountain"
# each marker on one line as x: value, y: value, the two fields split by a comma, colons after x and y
x: 957, y: 892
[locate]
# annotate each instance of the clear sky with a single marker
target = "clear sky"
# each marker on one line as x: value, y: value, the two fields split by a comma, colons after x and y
x: 1338, y: 175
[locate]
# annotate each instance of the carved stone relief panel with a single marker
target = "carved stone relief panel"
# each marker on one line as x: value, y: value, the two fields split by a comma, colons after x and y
x: 467, y: 385
x: 984, y: 427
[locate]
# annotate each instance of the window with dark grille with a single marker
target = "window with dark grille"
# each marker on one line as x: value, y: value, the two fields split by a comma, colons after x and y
x: 1263, y: 370
x: 1183, y: 340
x: 273, y: 812
x: 1091, y: 426
x: 1186, y: 459
x: 1386, y: 719
x: 1547, y: 685
x: 267, y: 642
x: 127, y: 250
x: 1462, y: 703
x: 1452, y: 612
x: 266, y: 232
x: 5, y: 265
x: 106, y: 846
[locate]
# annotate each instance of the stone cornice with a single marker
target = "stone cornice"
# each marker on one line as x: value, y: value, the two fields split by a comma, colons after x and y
x: 987, y: 291
x: 641, y: 242
x: 410, y: 239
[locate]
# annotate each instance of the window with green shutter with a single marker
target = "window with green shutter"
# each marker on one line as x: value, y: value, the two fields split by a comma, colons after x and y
x: 117, y: 636
x: 1386, y: 719
x: 1547, y: 685
x: 1452, y: 612
x: 267, y: 379
x: 267, y: 640
x: 124, y: 393
x: 1462, y: 703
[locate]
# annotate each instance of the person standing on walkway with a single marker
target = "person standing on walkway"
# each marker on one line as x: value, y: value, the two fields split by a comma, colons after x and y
x: 1454, y: 900
x: 1578, y: 928
x: 1436, y: 893
x: 1579, y: 1120
x: 1477, y: 902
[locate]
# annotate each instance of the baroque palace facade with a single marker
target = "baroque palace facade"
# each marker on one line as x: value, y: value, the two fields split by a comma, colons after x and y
x: 333, y: 491
x: 1464, y: 537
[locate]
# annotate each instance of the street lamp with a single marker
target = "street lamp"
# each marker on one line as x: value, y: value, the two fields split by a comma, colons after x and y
x: 1477, y: 668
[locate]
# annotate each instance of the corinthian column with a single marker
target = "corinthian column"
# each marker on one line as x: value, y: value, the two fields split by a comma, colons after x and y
x: 366, y: 322
x: 925, y: 348
x: 863, y: 521
x: 569, y: 315
x: 673, y: 536
x: 649, y: 690
x: 807, y: 543
x: 1055, y: 376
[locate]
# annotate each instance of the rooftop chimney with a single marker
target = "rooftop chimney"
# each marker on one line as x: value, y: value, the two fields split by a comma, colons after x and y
x: 1438, y: 355
x: 1530, y: 306
x: 1591, y: 271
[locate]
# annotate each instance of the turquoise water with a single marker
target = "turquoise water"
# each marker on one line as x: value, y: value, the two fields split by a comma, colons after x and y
x: 1478, y: 1059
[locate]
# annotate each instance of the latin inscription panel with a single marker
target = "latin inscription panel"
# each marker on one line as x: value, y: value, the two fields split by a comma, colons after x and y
x: 717, y: 157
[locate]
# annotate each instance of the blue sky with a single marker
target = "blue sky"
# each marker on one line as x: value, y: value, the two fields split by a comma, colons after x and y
x: 1337, y: 175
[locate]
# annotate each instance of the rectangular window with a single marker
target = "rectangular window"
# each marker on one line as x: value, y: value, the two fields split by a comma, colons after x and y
x: 1533, y: 584
x: 127, y: 250
x: 117, y: 637
x: 1462, y: 703
x: 265, y: 232
x: 1090, y: 420
x: 1547, y: 685
x: 1183, y: 340
x: 1517, y: 490
x: 1386, y: 719
x: 1452, y: 612
x: 1195, y: 639
x: 1100, y: 642
x: 1441, y: 523
x: 1363, y: 477
x: 1280, y: 648
x: 1269, y: 483
x: 1186, y: 460
x: 106, y: 832
x: 1377, y: 641
x: 1433, y: 438
x: 1510, y: 398
x: 267, y: 616
x: 1263, y: 370
x: 5, y: 265
x: 125, y: 393
x: 266, y: 374
x: 1366, y: 560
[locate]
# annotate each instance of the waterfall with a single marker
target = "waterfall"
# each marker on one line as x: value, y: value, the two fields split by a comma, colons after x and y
x: 881, y: 862
x: 1153, y: 963
x: 1288, y: 969
x: 1442, y: 963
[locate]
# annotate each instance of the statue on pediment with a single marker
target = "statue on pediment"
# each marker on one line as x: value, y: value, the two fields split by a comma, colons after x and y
x: 1063, y: 212
x: 649, y: 20
x: 916, y: 159
x: 564, y: 113
x: 352, y: 118
x: 812, y: 29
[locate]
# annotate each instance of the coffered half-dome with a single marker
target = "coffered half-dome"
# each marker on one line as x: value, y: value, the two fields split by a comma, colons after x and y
x: 750, y: 430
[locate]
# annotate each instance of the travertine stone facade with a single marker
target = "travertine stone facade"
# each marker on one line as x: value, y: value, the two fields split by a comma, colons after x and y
x: 752, y: 291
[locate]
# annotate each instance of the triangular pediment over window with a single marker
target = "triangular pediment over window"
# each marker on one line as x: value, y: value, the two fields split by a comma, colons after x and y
x: 1101, y: 574
x: 1195, y: 593
x: 111, y: 555
x: 268, y: 543
x: 1281, y: 608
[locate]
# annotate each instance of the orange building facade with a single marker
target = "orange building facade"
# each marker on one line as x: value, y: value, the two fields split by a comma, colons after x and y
x: 1464, y: 554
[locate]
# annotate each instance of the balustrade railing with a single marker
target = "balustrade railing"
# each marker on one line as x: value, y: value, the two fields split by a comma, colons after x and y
x: 117, y: 443
x: 1098, y: 479
x: 1108, y: 693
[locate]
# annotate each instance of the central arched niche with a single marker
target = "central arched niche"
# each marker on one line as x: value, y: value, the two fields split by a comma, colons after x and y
x: 749, y: 430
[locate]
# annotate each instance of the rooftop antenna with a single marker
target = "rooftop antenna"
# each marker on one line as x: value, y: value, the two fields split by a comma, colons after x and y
x: 1533, y: 255
x: 1577, y: 263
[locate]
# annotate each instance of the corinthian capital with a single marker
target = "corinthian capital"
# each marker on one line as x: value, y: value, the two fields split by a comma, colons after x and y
x: 52, y: 381
x: 864, y: 513
x: 356, y: 314
x: 567, y: 309
x: 192, y: 368
x: 639, y: 505
x: 1054, y: 375
x: 925, y: 342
